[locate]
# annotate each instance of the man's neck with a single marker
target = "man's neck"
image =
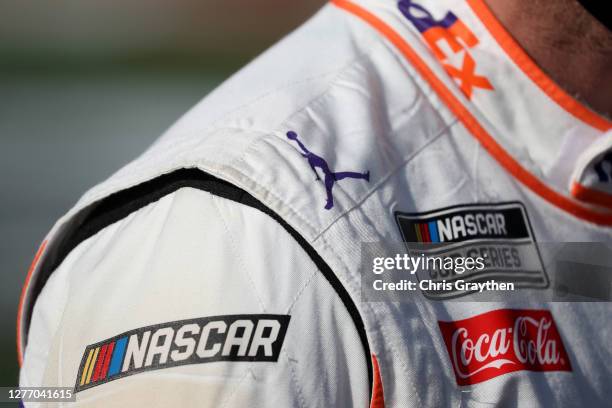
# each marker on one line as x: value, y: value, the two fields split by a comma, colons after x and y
x: 569, y: 44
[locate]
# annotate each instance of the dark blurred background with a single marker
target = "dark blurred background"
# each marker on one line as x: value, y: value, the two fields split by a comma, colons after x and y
x: 85, y: 86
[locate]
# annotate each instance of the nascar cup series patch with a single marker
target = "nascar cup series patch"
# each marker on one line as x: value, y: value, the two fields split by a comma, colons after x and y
x: 204, y: 340
x: 499, y: 234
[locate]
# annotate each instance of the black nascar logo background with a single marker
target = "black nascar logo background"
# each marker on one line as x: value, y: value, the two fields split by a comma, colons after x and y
x: 247, y: 337
x: 498, y: 232
x: 476, y: 222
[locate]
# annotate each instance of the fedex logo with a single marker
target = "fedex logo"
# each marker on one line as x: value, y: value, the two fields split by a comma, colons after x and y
x: 503, y: 341
x: 458, y: 39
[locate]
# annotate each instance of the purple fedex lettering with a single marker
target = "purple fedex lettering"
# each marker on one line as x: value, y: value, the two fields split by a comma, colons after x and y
x: 457, y: 37
x: 421, y: 18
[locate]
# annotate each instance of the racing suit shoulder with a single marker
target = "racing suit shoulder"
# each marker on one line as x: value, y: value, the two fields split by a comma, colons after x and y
x: 332, y: 52
x: 198, y: 297
x: 335, y: 81
x: 296, y: 130
x: 284, y: 78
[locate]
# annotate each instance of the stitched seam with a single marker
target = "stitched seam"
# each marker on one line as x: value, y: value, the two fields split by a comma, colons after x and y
x: 294, y: 380
x: 375, y: 39
x: 383, y: 180
x: 234, y: 166
x: 403, y: 363
x: 231, y: 394
x: 286, y: 86
x: 252, y: 145
x: 182, y: 142
x: 338, y: 81
x: 302, y: 289
x: 322, y: 94
x: 374, y: 321
x: 238, y: 254
x: 141, y: 168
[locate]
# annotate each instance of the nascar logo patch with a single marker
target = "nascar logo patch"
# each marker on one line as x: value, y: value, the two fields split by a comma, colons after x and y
x: 194, y: 341
x: 500, y: 234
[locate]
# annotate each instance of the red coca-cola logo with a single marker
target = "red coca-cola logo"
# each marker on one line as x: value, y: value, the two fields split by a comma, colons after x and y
x: 502, y: 341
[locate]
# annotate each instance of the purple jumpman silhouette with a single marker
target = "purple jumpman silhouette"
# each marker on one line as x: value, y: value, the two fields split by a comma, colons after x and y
x: 330, y: 177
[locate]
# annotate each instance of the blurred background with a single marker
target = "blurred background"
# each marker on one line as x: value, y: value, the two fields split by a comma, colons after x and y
x: 85, y: 86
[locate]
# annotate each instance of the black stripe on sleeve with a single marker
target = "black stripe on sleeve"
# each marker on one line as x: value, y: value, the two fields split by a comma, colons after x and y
x: 117, y: 206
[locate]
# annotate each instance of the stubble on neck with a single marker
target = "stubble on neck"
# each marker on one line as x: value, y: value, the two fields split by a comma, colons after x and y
x: 569, y: 44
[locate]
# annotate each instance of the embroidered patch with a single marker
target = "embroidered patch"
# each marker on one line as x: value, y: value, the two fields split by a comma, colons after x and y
x: 499, y: 233
x: 502, y: 341
x: 248, y: 337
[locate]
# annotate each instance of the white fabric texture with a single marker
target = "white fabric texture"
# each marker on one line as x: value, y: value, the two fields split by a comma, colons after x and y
x: 194, y: 255
x: 356, y: 101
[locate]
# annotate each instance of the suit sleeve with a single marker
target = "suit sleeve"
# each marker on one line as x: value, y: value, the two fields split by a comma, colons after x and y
x: 195, y: 300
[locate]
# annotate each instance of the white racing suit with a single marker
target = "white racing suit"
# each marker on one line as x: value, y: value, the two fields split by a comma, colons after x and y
x: 223, y: 267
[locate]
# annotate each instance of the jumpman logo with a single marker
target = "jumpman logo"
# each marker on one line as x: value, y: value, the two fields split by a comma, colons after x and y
x: 330, y: 177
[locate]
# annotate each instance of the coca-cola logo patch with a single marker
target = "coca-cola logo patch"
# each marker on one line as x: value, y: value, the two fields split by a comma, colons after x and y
x: 503, y: 341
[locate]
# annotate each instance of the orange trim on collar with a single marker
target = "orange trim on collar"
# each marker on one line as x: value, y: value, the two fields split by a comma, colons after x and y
x: 589, y: 195
x: 471, y: 123
x: 531, y: 69
x: 22, y: 299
